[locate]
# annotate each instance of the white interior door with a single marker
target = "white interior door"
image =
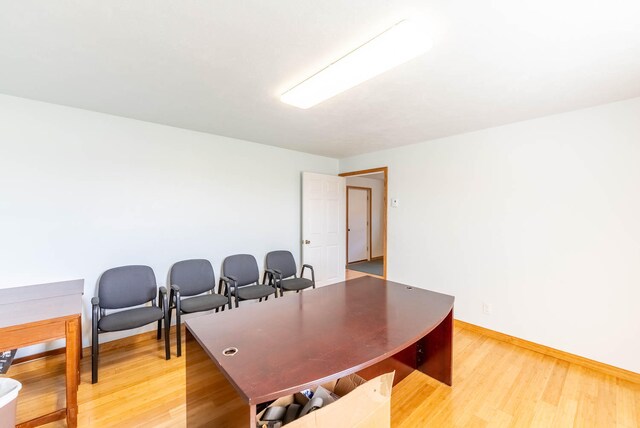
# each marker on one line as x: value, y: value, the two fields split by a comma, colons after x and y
x: 323, y: 226
x: 357, y: 225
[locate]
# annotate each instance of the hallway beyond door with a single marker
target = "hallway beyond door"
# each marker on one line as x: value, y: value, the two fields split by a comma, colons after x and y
x: 374, y: 267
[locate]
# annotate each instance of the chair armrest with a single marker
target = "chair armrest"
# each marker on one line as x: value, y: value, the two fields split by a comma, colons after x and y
x: 163, y: 302
x: 313, y: 274
x: 95, y: 313
x: 229, y: 280
x: 174, y: 295
x: 231, y: 283
x: 274, y: 272
x: 275, y: 275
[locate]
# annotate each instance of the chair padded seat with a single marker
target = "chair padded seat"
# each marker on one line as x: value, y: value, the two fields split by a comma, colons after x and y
x: 202, y: 303
x: 251, y: 292
x: 131, y: 318
x: 296, y: 284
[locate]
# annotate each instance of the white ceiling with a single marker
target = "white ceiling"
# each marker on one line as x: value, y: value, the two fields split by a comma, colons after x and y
x: 219, y: 66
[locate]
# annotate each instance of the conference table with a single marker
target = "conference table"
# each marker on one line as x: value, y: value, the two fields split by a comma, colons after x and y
x: 240, y: 358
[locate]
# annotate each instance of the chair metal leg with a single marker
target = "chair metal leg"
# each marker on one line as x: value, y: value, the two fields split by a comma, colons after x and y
x: 178, y: 333
x: 164, y: 305
x: 159, y: 334
x: 167, y: 345
x: 170, y: 309
x: 95, y: 350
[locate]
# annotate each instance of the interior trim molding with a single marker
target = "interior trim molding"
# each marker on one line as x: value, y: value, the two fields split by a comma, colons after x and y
x: 552, y: 352
x: 86, y: 352
x: 128, y: 340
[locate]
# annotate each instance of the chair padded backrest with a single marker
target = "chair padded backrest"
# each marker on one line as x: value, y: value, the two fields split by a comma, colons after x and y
x: 193, y: 276
x: 283, y: 261
x: 127, y: 286
x: 243, y: 267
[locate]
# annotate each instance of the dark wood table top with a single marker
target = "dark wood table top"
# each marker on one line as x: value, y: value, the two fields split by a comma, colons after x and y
x: 291, y: 343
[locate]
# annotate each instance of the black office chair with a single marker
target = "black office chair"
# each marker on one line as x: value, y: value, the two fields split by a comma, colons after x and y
x: 126, y: 287
x: 193, y: 278
x: 241, y: 277
x: 281, y: 268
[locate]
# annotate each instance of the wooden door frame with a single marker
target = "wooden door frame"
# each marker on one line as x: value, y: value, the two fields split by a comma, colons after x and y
x: 369, y: 231
x: 384, y: 170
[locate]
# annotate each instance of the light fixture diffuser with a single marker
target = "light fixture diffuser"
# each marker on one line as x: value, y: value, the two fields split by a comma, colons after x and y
x: 396, y: 45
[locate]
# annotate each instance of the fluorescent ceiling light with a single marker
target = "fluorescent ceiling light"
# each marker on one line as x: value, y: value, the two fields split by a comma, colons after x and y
x: 389, y: 49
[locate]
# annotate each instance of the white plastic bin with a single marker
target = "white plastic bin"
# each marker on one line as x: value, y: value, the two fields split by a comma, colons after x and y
x: 9, y: 389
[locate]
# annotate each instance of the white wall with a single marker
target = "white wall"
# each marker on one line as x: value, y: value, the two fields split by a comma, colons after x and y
x: 81, y: 192
x: 540, y: 219
x: 377, y: 207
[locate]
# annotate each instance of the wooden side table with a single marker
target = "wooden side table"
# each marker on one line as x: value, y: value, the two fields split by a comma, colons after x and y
x: 41, y: 313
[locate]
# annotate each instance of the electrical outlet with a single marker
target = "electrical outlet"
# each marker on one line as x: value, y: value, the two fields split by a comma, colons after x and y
x: 486, y: 308
x: 394, y: 202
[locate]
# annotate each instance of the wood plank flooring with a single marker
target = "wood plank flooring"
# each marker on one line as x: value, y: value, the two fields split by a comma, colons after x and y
x: 495, y: 384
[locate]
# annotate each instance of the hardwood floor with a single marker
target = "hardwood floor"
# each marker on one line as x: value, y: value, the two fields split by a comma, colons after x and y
x: 494, y: 384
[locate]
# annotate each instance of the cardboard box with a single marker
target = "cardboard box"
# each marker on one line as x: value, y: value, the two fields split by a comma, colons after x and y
x: 361, y: 404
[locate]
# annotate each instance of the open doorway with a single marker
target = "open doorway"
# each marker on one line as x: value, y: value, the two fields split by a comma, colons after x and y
x: 359, y: 225
x: 366, y: 223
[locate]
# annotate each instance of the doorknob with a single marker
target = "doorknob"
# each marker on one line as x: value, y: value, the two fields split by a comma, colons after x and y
x: 306, y: 241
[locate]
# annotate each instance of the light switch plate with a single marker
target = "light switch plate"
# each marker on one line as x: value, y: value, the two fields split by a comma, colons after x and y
x: 394, y: 202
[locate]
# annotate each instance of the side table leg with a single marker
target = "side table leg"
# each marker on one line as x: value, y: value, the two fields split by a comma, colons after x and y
x: 72, y: 363
x: 79, y: 343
